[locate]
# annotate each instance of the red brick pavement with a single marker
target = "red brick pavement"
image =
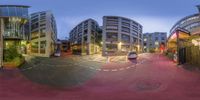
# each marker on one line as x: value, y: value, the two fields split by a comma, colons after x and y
x: 157, y: 79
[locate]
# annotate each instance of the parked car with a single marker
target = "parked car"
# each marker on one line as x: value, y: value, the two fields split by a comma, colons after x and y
x: 132, y: 55
x: 57, y: 54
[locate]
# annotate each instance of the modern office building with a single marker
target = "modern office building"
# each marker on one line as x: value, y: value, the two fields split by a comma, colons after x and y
x: 184, y: 39
x: 85, y: 38
x: 121, y: 35
x: 43, y: 33
x: 154, y: 42
x: 13, y: 21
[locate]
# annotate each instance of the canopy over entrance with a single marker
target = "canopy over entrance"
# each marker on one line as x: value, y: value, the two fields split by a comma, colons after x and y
x: 178, y: 36
x: 177, y: 42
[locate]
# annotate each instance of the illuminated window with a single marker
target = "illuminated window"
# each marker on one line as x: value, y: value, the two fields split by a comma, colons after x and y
x: 156, y: 43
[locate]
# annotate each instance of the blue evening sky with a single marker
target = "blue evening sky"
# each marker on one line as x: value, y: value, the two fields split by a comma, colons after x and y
x: 154, y: 15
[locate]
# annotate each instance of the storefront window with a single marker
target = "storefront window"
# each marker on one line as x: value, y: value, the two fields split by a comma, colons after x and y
x: 42, y: 47
x: 13, y: 27
x: 34, y: 47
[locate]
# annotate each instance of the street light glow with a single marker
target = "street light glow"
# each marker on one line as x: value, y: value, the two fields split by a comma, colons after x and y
x: 120, y: 43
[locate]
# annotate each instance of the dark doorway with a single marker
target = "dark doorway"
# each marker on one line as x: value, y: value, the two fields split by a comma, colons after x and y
x: 182, y: 55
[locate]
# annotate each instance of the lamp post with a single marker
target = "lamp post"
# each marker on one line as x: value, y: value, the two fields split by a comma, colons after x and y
x: 1, y: 42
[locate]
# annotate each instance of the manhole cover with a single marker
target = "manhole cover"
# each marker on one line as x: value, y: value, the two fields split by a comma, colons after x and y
x: 147, y: 85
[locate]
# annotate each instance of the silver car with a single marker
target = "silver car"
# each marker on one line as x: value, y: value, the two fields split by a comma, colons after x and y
x: 132, y: 55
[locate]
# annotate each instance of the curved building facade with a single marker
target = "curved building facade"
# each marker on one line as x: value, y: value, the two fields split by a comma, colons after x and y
x: 190, y: 23
x: 121, y: 35
x: 184, y: 39
x: 85, y: 38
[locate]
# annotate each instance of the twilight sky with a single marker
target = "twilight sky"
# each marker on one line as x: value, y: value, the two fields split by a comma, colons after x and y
x: 154, y: 15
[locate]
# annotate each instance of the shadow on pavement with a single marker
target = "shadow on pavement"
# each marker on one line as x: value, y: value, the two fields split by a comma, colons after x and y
x: 58, y: 73
x: 133, y: 60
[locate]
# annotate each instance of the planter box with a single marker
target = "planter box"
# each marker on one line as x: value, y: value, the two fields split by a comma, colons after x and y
x: 13, y: 65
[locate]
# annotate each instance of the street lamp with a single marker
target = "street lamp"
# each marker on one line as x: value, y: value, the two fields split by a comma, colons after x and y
x: 120, y: 43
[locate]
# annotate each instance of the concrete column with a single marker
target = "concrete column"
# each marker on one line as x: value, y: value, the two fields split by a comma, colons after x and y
x: 138, y: 40
x: 119, y: 34
x: 104, y: 36
x: 131, y: 36
x: 89, y: 36
x: 142, y: 44
x: 82, y: 43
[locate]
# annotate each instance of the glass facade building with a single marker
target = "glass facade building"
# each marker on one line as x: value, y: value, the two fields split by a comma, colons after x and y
x: 14, y: 11
x: 190, y: 23
x: 184, y: 39
x: 14, y: 23
x: 14, y: 18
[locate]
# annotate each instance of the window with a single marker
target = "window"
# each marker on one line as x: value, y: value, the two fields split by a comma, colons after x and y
x: 42, y: 25
x: 125, y: 29
x: 111, y: 47
x: 42, y: 14
x: 34, y: 47
x: 134, y: 40
x: 134, y: 23
x: 156, y: 43
x: 156, y: 38
x: 42, y: 17
x: 108, y: 27
x: 42, y: 47
x: 163, y: 38
x: 34, y: 20
x: 34, y: 26
x: 85, y: 39
x: 125, y: 38
x: 134, y: 27
x: 42, y: 32
x: 34, y: 34
x: 34, y: 16
x: 125, y: 24
x: 111, y: 37
x: 110, y: 23
x: 85, y: 32
x: 12, y: 11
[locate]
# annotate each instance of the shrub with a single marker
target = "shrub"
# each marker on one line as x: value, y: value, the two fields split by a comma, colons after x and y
x: 11, y: 53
